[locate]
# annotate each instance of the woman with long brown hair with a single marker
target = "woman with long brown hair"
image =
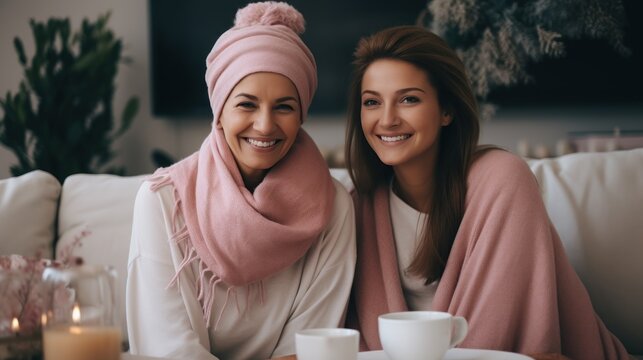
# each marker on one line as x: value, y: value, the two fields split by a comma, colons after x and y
x: 443, y: 224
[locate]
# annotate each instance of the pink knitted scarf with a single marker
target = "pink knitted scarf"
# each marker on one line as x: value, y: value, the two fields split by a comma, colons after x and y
x: 240, y: 237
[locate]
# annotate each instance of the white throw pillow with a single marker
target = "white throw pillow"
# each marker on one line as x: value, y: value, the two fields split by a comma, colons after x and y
x: 595, y: 201
x: 28, y: 206
x: 342, y: 176
x: 102, y: 206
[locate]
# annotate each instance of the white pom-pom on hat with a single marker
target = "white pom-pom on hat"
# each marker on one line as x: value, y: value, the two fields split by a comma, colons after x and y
x: 270, y: 13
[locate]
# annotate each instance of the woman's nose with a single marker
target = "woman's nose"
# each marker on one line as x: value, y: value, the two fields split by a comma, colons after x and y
x: 389, y: 117
x: 264, y: 123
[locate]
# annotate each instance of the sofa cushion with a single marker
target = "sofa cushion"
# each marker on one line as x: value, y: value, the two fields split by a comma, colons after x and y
x: 28, y: 206
x: 595, y: 201
x: 97, y: 209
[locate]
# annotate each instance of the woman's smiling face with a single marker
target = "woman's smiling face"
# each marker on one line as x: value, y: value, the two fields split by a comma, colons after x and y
x: 260, y: 121
x: 400, y: 113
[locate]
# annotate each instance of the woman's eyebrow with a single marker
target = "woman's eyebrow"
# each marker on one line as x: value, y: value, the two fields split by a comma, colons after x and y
x: 254, y: 98
x: 370, y: 92
x: 286, y: 98
x: 400, y: 91
x: 251, y: 97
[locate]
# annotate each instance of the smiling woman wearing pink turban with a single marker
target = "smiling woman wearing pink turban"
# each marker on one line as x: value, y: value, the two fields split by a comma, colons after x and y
x: 249, y: 239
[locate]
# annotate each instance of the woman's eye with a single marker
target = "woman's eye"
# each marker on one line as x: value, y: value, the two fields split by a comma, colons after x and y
x: 284, y: 107
x: 410, y: 100
x: 246, y: 105
x: 369, y: 102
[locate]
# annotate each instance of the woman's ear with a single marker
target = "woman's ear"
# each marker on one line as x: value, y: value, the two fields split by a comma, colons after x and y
x: 446, y: 118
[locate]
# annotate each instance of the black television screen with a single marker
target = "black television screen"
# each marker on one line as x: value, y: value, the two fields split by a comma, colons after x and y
x: 182, y: 34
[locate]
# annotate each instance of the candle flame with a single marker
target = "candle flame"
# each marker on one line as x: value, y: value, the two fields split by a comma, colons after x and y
x: 43, y: 319
x: 75, y: 314
x: 15, y: 325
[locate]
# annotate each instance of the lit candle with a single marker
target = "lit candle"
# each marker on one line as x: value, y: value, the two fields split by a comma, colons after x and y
x: 78, y: 342
x: 15, y: 326
x: 75, y: 314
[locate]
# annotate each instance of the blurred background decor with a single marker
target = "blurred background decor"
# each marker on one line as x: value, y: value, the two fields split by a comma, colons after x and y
x: 592, y: 89
x: 25, y: 300
x: 499, y: 41
x: 61, y: 120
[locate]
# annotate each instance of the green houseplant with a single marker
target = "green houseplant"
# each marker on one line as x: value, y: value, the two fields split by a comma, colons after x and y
x: 61, y: 119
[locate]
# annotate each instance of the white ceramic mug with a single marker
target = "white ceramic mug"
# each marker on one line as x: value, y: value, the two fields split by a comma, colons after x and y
x: 322, y: 344
x: 420, y: 335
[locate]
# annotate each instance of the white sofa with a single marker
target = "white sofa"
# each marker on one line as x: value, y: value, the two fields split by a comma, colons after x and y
x: 595, y: 200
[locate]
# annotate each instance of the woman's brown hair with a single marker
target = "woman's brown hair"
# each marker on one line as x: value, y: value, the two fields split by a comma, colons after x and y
x: 457, y: 142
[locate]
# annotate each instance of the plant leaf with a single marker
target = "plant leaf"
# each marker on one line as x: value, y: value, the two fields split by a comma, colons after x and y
x: 130, y: 110
x: 17, y: 43
x: 161, y: 158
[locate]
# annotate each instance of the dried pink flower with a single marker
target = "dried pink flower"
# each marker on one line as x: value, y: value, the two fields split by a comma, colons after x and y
x: 24, y: 295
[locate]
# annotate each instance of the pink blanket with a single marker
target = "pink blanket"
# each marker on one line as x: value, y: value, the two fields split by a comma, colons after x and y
x: 507, y: 273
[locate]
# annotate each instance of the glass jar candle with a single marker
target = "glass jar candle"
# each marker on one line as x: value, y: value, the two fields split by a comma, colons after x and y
x: 81, y: 322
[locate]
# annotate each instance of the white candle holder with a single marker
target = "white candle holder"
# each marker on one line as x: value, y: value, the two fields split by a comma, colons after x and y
x: 81, y: 321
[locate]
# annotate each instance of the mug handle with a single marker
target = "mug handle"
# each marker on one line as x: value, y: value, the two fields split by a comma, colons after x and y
x: 460, y: 329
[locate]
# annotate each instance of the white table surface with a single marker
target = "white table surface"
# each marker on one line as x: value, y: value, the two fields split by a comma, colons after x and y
x: 127, y: 356
x: 453, y: 354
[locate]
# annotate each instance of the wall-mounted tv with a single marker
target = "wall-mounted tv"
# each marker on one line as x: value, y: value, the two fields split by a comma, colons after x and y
x: 182, y: 34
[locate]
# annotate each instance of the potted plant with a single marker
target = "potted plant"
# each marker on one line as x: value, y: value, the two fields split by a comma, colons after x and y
x: 61, y: 119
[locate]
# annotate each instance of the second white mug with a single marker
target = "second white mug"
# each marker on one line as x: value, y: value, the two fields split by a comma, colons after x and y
x: 420, y: 335
x: 323, y: 344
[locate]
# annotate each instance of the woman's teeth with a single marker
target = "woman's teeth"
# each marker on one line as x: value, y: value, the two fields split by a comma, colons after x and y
x: 394, y: 138
x: 263, y: 144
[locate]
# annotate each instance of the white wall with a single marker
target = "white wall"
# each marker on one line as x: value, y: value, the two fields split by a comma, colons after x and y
x: 181, y: 137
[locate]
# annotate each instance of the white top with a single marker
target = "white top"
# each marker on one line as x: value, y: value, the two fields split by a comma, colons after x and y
x: 407, y: 229
x: 311, y: 293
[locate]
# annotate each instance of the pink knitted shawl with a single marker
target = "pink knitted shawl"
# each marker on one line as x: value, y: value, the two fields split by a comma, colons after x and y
x: 507, y: 272
x: 236, y: 236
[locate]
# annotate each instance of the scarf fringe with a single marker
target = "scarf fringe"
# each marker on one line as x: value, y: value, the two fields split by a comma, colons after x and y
x: 225, y: 304
x: 159, y: 180
x: 205, y: 288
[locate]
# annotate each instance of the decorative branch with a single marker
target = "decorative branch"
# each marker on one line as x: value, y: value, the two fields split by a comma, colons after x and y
x: 498, y: 39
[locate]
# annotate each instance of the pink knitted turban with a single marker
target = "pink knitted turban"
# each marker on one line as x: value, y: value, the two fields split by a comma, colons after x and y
x: 264, y: 38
